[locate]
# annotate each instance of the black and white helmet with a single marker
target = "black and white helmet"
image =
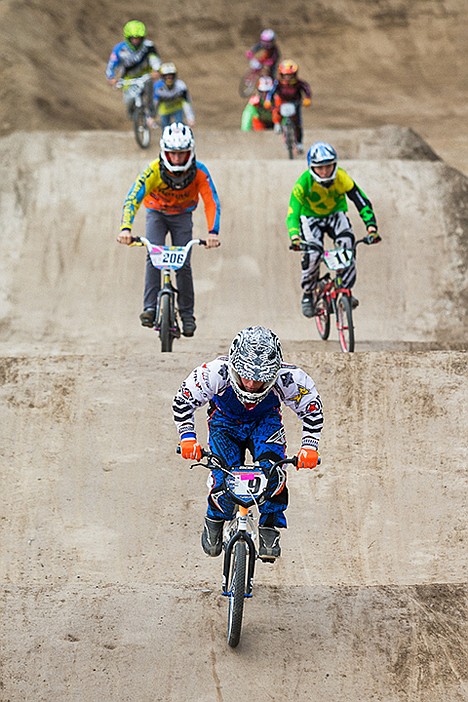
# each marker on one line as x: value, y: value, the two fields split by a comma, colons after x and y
x: 322, y: 154
x: 177, y: 137
x: 255, y: 354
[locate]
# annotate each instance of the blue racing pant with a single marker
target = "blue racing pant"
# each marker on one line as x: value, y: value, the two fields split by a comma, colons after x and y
x: 265, y: 440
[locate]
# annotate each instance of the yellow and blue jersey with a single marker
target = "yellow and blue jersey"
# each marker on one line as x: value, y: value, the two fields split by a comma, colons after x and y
x: 155, y: 194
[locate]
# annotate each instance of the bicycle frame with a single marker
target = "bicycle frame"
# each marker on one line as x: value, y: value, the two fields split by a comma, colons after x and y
x: 249, y: 80
x: 136, y: 89
x: 246, y: 485
x: 288, y: 126
x: 167, y: 259
x: 331, y: 297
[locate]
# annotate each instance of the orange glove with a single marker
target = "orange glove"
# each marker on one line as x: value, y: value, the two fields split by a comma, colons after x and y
x: 267, y: 104
x: 191, y: 449
x: 306, y: 102
x: 307, y: 458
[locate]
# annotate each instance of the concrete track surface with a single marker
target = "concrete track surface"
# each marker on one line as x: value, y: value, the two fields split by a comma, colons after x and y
x: 106, y: 592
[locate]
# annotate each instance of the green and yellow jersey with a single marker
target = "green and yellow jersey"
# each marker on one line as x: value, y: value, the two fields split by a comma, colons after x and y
x: 310, y: 199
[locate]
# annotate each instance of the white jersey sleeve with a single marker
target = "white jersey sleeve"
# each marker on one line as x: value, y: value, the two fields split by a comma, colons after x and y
x: 297, y: 390
x: 198, y: 389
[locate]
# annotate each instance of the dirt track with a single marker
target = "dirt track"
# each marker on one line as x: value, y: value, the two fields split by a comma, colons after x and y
x: 106, y: 592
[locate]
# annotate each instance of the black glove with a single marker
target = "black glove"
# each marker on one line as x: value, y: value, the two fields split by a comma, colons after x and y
x: 295, y: 242
x: 372, y: 238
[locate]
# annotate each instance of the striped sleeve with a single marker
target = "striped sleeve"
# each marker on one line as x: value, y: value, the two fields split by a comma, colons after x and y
x: 300, y: 394
x: 197, y: 390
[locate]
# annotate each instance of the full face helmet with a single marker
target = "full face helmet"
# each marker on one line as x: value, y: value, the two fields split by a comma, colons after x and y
x: 287, y: 72
x: 267, y: 38
x: 322, y: 154
x: 134, y: 33
x: 168, y: 71
x: 265, y: 84
x: 177, y: 155
x: 255, y: 354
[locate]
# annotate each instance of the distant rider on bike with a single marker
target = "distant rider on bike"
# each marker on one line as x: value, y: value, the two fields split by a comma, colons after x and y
x: 244, y: 391
x: 289, y: 88
x: 255, y: 115
x: 171, y: 98
x: 265, y: 52
x: 132, y: 58
x: 317, y: 207
x: 170, y: 188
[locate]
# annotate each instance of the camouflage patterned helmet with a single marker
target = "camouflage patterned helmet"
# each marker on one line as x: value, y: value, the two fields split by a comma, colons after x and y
x: 255, y: 354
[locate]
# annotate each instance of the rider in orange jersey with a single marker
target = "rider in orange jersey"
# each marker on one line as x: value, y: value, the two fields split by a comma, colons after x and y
x: 170, y: 188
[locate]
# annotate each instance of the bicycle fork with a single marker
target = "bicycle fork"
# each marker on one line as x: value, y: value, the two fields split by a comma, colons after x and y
x: 240, y: 535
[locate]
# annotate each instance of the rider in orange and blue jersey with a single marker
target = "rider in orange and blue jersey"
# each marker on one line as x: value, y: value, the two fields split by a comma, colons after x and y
x: 170, y: 188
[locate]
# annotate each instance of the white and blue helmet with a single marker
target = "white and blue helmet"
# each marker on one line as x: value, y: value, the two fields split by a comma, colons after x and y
x: 177, y: 137
x: 255, y: 354
x: 322, y: 154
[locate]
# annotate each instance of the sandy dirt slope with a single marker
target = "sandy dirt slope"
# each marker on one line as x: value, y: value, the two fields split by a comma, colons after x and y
x: 106, y: 587
x: 64, y: 198
x: 106, y: 594
x: 369, y: 63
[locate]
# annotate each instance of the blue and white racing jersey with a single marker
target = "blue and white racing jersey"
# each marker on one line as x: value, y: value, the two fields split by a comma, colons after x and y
x: 210, y: 383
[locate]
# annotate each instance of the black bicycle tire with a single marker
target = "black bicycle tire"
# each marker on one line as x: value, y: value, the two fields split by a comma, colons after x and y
x: 140, y: 128
x: 290, y: 138
x: 236, y: 593
x: 322, y: 317
x: 165, y: 334
x: 344, y: 312
x: 247, y: 84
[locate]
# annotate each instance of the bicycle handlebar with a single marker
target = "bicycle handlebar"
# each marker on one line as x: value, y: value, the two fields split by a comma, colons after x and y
x: 143, y: 241
x: 305, y: 245
x: 207, y: 454
x: 139, y: 80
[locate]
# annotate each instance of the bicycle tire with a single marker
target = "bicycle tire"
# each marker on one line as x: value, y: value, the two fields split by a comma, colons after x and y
x: 344, y: 323
x: 165, y: 334
x: 247, y: 84
x: 236, y: 593
x: 322, y: 317
x: 289, y: 137
x: 141, y: 129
